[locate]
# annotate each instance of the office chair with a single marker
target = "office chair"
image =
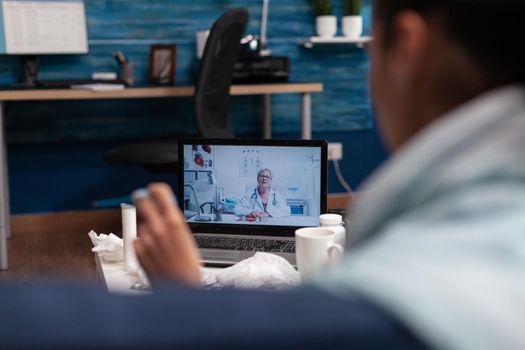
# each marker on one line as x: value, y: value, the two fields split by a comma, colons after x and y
x: 210, y: 100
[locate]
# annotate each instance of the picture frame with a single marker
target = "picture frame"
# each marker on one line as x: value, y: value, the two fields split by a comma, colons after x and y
x: 162, y: 64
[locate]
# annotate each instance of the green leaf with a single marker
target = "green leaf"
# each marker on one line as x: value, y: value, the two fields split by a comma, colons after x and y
x: 352, y: 7
x: 322, y: 7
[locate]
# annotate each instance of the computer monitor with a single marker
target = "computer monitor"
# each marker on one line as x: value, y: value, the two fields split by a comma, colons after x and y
x: 41, y: 27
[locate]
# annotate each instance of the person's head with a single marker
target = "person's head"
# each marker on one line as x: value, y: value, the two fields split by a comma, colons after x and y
x: 429, y: 56
x: 264, y: 178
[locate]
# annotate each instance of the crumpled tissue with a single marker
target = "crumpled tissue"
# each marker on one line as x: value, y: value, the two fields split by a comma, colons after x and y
x: 110, y: 248
x: 263, y: 270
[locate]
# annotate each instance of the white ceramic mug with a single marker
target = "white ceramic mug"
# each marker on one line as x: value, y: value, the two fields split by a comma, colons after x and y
x: 315, y: 250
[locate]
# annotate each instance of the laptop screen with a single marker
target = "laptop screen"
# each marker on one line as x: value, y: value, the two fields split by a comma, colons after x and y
x: 273, y: 186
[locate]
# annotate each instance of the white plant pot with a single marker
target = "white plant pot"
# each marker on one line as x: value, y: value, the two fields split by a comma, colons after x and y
x: 326, y: 26
x: 352, y: 26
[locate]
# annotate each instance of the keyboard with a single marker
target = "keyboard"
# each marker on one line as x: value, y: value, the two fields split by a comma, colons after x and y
x: 65, y: 84
x: 247, y: 244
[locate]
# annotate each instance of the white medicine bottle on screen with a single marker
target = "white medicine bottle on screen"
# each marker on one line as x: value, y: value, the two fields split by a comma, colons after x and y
x: 335, y: 223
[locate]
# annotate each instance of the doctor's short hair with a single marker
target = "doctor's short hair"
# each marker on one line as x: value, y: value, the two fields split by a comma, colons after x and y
x: 260, y: 172
x: 489, y: 31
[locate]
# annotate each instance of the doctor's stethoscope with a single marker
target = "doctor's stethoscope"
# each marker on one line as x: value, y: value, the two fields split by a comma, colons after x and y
x: 253, y: 198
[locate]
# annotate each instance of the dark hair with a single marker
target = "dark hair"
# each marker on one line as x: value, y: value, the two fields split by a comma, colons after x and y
x: 490, y: 31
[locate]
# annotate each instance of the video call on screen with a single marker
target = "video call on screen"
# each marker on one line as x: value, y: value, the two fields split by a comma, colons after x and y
x: 261, y: 185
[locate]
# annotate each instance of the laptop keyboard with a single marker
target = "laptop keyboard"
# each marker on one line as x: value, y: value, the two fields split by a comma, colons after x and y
x: 249, y: 244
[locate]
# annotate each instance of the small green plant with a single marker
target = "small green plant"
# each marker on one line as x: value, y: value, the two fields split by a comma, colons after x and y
x: 352, y: 7
x: 322, y: 7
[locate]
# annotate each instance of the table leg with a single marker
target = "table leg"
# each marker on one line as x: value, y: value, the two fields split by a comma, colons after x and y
x: 306, y: 116
x: 267, y: 116
x: 4, y: 195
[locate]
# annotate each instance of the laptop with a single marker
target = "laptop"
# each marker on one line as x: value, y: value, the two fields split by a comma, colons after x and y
x: 241, y: 196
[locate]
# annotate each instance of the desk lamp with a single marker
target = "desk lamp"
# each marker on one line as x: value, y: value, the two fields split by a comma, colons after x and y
x: 264, y: 30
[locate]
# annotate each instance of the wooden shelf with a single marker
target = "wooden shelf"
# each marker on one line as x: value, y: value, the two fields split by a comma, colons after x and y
x: 336, y: 40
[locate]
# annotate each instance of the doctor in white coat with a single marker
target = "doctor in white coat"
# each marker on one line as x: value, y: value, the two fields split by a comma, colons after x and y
x: 263, y: 201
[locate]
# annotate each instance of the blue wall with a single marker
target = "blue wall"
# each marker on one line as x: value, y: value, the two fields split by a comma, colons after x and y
x: 70, y: 176
x: 133, y: 26
x: 56, y: 148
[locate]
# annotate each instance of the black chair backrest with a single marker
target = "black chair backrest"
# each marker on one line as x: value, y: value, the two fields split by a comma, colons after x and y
x: 212, y: 89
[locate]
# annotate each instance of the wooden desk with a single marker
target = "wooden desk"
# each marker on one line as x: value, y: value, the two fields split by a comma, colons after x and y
x: 266, y: 90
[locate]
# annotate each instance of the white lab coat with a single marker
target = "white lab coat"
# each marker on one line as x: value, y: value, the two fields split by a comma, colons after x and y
x: 276, y: 206
x: 438, y: 238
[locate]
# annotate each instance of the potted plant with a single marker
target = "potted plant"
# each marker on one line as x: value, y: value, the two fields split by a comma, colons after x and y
x: 352, y: 20
x: 325, y: 22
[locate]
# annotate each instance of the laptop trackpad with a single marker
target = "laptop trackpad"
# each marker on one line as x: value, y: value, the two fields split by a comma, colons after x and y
x: 221, y: 255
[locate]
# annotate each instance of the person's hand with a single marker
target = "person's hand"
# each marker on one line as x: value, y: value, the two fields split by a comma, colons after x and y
x: 166, y: 249
x: 259, y: 214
